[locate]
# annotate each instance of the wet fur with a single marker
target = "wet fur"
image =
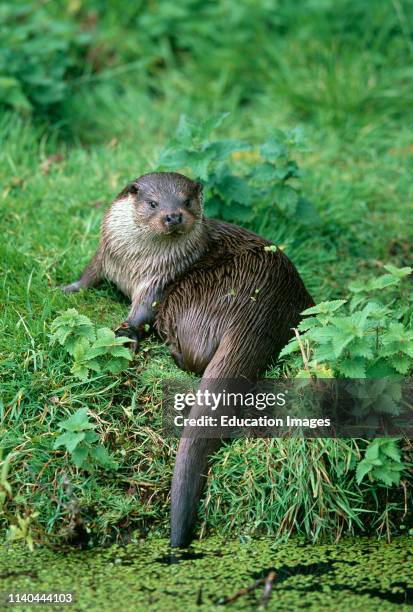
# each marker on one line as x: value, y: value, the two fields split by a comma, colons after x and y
x: 227, y: 317
x: 135, y: 259
x: 227, y: 306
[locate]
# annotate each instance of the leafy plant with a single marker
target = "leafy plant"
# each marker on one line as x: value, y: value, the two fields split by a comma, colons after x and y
x: 92, y: 349
x: 5, y: 487
x: 266, y: 184
x: 364, y: 337
x: 21, y: 529
x: 71, y: 327
x: 382, y: 461
x: 37, y: 53
x: 81, y: 442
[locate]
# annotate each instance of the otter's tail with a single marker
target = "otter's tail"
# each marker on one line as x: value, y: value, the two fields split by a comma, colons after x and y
x: 235, y: 358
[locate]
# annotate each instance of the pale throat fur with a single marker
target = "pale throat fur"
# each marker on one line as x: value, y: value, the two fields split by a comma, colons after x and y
x: 136, y: 259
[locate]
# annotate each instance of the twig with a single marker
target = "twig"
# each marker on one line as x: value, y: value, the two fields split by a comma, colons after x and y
x: 267, y: 582
x: 302, y: 349
x: 268, y: 588
x: 243, y: 591
x: 403, y: 484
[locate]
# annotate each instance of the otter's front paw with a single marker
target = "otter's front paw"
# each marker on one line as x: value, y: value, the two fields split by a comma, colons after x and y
x: 72, y: 288
x: 126, y: 331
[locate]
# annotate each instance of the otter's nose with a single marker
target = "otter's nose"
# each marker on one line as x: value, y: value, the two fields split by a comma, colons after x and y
x: 173, y: 219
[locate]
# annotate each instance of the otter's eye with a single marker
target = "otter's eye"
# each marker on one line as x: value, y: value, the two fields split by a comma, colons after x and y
x: 153, y: 204
x: 188, y: 203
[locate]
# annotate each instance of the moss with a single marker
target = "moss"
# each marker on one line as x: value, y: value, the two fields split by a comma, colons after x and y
x: 353, y: 574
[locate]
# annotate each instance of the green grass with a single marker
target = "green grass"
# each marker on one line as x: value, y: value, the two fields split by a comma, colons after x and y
x: 354, y: 101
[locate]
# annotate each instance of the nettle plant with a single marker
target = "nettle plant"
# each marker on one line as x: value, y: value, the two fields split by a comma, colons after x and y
x: 241, y: 182
x: 364, y: 337
x: 82, y: 442
x: 92, y: 349
x: 368, y: 336
x: 382, y: 461
x: 37, y: 56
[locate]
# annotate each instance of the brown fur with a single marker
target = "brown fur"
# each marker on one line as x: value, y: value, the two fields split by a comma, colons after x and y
x: 229, y: 314
x: 227, y: 306
x: 139, y: 251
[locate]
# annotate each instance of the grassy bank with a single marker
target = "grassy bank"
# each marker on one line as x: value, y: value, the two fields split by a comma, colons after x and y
x: 345, y: 79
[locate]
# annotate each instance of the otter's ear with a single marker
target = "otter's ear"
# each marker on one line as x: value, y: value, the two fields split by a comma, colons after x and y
x: 133, y: 188
x: 198, y: 187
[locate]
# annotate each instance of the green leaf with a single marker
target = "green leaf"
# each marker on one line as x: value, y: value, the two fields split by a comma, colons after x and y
x: 308, y: 323
x: 323, y: 354
x: 387, y: 280
x: 339, y: 341
x: 398, y: 272
x: 235, y: 212
x: 213, y: 123
x: 235, y: 189
x: 401, y: 363
x: 286, y: 198
x: 80, y: 347
x: 391, y: 449
x: 386, y: 404
x: 122, y: 351
x: 322, y: 335
x: 274, y: 148
x: 72, y: 319
x: 11, y: 93
x: 380, y: 369
x: 386, y: 475
x: 69, y: 439
x: 214, y: 205
x: 80, y: 371
x: 199, y: 163
x: 362, y: 469
x: 221, y: 149
x: 100, y: 454
x: 353, y: 368
x: 292, y: 347
x: 325, y: 307
x: 185, y: 131
x: 361, y: 347
x: 80, y: 455
x: 357, y: 286
x: 267, y: 173
x: 116, y: 365
x: 173, y: 159
x: 373, y: 450
x: 71, y: 329
x: 91, y: 436
x: 79, y: 421
x: 104, y: 337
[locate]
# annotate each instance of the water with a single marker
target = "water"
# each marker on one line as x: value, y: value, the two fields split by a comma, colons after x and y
x: 216, y: 574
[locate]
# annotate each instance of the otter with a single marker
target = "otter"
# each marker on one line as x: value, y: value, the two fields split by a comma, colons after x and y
x: 223, y: 303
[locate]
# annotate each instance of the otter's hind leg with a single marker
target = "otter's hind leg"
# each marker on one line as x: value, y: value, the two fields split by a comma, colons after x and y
x: 178, y: 358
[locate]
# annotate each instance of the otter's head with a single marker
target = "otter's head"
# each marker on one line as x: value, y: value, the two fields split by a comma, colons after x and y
x: 166, y: 203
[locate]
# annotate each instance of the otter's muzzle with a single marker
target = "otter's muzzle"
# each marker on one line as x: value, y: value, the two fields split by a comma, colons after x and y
x: 173, y: 222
